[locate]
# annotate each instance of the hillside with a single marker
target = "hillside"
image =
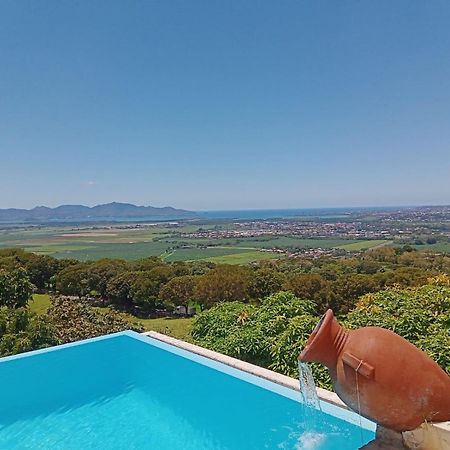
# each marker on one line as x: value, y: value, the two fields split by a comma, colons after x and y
x: 81, y: 212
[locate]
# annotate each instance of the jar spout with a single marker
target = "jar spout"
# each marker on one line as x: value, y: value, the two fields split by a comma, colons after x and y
x: 325, y: 342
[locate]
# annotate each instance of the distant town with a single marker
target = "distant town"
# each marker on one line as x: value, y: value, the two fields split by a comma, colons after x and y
x: 238, y: 240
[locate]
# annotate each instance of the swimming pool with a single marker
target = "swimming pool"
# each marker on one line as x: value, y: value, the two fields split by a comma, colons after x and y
x: 128, y: 391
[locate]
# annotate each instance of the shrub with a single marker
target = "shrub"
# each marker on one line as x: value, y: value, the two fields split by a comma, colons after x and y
x: 421, y: 315
x: 73, y: 320
x: 21, y: 331
x: 271, y: 334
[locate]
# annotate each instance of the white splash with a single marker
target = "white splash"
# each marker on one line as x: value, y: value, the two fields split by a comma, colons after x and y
x: 310, y: 441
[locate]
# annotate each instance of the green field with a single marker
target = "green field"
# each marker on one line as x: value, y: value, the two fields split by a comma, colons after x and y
x: 128, y: 251
x: 281, y: 242
x: 242, y: 258
x: 190, y: 254
x: 363, y: 245
x: 92, y: 243
x: 177, y: 328
x: 166, y: 241
x: 40, y: 303
x: 439, y: 247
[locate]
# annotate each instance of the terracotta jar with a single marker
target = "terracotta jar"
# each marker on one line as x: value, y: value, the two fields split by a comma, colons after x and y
x: 381, y: 375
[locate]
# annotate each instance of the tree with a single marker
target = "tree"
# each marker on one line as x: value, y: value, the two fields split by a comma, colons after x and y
x: 15, y: 288
x: 119, y: 289
x: 179, y: 290
x: 144, y: 292
x: 265, y: 281
x: 180, y: 268
x: 312, y: 287
x: 224, y: 283
x: 349, y: 287
x: 100, y: 272
x: 146, y: 264
x: 74, y: 280
x: 138, y: 291
x: 41, y: 269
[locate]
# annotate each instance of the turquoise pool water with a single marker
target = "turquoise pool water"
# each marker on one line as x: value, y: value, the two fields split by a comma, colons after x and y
x: 128, y: 391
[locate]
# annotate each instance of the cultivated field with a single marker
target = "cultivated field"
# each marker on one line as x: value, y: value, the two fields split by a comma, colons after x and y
x: 169, y: 241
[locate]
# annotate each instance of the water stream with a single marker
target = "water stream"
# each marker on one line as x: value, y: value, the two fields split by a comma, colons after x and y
x: 308, y: 387
x: 311, y: 438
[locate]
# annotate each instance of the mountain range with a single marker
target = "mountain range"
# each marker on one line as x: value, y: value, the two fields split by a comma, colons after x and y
x: 80, y: 212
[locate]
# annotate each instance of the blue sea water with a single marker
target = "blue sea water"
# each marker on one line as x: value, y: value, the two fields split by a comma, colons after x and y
x: 124, y: 392
x: 261, y: 214
x: 238, y: 214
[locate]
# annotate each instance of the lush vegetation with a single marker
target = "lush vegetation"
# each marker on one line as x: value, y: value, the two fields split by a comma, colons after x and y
x: 146, y: 286
x: 179, y: 328
x: 261, y: 312
x: 273, y: 332
x: 75, y: 320
x: 21, y: 329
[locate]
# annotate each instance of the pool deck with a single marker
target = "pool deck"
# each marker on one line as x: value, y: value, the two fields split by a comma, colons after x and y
x: 427, y: 437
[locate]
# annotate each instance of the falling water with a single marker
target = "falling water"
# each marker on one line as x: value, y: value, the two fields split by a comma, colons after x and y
x: 311, y: 438
x: 308, y: 387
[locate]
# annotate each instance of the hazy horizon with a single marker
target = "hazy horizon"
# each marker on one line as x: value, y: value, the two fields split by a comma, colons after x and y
x: 209, y: 105
x: 273, y: 208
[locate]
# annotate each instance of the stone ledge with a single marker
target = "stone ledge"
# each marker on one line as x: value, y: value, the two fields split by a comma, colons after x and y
x: 429, y: 436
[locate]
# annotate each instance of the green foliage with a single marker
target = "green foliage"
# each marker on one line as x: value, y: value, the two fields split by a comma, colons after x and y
x: 138, y: 291
x: 21, y: 331
x: 100, y: 272
x: 74, y: 280
x: 273, y: 333
x: 265, y: 281
x: 270, y: 334
x: 421, y: 315
x: 179, y: 290
x: 223, y: 283
x: 312, y: 286
x: 40, y: 268
x: 288, y: 345
x: 15, y: 288
x: 369, y: 288
x: 217, y: 322
x: 74, y: 320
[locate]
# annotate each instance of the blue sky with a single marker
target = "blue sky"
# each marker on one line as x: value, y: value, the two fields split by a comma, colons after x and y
x: 224, y: 104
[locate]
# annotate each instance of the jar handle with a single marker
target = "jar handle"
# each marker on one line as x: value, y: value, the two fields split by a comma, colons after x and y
x: 361, y: 367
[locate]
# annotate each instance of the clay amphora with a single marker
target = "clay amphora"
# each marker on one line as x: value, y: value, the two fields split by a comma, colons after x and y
x: 381, y: 375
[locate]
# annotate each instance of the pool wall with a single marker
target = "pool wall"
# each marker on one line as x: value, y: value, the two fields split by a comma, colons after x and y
x: 282, y: 384
x: 434, y: 436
